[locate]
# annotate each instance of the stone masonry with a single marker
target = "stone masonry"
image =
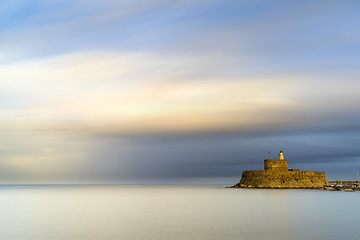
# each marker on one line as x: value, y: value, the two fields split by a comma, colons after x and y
x: 277, y: 175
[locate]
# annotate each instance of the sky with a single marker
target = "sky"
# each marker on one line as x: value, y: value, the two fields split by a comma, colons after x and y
x: 193, y: 91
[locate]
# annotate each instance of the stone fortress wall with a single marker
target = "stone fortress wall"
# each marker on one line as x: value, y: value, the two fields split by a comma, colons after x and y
x: 277, y: 175
x: 275, y: 164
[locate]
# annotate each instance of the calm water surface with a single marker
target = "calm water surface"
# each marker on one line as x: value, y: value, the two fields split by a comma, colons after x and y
x: 175, y: 212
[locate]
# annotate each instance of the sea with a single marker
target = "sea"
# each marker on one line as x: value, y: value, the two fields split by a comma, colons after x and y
x: 170, y: 212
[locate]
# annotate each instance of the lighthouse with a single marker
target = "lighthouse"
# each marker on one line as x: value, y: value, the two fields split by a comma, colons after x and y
x: 277, y: 175
x: 281, y: 155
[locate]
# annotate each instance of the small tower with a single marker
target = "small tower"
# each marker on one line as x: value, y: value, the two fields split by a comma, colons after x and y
x: 276, y: 164
x: 281, y: 155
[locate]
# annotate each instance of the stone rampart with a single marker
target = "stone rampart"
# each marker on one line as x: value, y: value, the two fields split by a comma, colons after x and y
x: 277, y: 175
x: 282, y: 179
x: 275, y: 164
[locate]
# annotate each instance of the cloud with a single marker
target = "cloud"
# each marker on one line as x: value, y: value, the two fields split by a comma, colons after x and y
x: 157, y: 89
x: 59, y: 113
x: 46, y: 28
x: 126, y: 92
x: 55, y: 107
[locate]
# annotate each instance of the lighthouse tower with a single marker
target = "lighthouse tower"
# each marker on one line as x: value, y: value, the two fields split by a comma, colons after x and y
x: 281, y: 155
x: 276, y: 164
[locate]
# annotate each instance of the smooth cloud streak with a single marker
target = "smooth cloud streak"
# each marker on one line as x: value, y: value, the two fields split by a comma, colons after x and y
x: 82, y: 75
x: 54, y: 109
x: 125, y: 92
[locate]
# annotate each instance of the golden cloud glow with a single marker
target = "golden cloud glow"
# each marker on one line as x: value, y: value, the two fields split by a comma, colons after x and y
x: 108, y: 92
x: 52, y: 105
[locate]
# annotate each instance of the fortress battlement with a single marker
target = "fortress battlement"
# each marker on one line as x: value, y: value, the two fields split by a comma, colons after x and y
x: 275, y: 164
x: 277, y: 175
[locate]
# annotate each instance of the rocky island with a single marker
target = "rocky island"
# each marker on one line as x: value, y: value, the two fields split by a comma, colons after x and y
x: 277, y: 175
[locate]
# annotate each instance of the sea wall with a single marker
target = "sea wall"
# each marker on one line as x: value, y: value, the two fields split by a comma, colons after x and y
x: 343, y: 182
x: 282, y: 179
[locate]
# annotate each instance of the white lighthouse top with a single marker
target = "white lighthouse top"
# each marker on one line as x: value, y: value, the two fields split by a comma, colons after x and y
x: 281, y: 155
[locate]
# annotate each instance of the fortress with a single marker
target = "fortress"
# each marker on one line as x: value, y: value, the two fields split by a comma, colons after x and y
x: 277, y: 175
